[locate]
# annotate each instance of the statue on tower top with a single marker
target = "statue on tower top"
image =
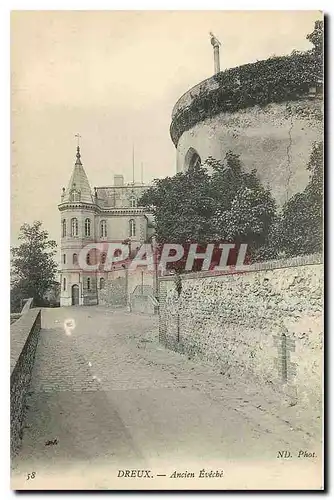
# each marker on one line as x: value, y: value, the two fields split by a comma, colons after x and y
x: 214, y: 40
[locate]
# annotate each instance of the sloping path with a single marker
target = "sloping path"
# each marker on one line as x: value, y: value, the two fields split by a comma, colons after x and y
x: 105, y: 396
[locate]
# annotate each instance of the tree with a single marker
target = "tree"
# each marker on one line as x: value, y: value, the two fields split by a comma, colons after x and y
x: 228, y: 205
x: 317, y: 39
x: 226, y: 179
x: 182, y: 206
x: 245, y: 210
x: 33, y: 266
x: 249, y: 218
x: 301, y: 224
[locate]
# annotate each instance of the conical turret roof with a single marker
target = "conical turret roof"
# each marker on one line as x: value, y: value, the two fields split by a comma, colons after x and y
x: 78, y: 188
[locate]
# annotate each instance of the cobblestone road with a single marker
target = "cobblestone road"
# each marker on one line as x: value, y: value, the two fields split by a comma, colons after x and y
x: 113, y: 399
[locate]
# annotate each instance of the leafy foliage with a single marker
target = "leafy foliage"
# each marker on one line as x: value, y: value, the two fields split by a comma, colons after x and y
x: 231, y: 205
x: 181, y: 205
x: 301, y: 223
x: 317, y: 38
x: 228, y: 205
x: 33, y: 266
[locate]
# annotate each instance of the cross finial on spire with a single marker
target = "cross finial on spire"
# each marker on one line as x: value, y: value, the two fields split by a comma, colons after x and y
x: 78, y: 136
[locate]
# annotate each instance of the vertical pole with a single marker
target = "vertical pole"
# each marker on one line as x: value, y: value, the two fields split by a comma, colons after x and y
x: 127, y: 286
x: 216, y: 58
x: 284, y: 360
x: 97, y: 290
x: 155, y: 275
x: 141, y: 173
x: 133, y: 164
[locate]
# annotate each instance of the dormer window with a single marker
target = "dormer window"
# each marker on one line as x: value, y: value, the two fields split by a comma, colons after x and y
x: 133, y: 202
x: 75, y: 195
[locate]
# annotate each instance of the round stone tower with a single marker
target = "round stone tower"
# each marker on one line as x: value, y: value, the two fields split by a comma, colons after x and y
x: 268, y: 112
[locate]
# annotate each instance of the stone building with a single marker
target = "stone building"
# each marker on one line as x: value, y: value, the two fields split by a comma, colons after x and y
x: 268, y: 112
x: 108, y: 214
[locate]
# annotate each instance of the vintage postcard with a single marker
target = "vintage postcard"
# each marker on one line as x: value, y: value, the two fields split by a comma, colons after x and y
x: 167, y: 250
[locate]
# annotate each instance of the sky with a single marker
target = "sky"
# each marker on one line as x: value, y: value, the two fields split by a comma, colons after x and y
x: 114, y: 77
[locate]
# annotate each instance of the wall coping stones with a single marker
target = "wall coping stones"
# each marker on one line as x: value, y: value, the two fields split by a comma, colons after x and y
x: 302, y: 260
x: 19, y: 334
x: 27, y: 305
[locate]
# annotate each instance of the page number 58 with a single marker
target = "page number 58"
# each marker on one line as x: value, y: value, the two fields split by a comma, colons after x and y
x: 31, y: 475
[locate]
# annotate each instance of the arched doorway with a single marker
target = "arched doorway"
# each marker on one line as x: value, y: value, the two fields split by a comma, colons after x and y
x: 192, y: 159
x: 75, y: 295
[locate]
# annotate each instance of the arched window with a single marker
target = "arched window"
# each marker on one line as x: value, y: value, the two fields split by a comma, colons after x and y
x: 74, y: 226
x: 192, y: 159
x: 63, y: 228
x: 64, y: 258
x: 101, y: 283
x: 87, y: 227
x: 132, y: 228
x: 88, y: 259
x: 88, y: 283
x: 133, y: 202
x: 64, y: 284
x: 103, y: 258
x: 103, y: 228
x: 75, y: 258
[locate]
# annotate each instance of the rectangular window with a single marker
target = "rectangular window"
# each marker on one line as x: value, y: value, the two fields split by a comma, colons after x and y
x: 64, y: 258
x: 103, y: 229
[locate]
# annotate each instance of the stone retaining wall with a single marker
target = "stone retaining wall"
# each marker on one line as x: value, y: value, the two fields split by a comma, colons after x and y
x: 265, y: 324
x: 24, y: 338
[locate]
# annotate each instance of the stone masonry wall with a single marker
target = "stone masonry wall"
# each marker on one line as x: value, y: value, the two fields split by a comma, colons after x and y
x: 114, y: 293
x: 122, y: 284
x: 265, y: 324
x: 24, y: 338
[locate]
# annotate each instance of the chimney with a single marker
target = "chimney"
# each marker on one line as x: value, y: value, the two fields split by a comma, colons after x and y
x: 118, y: 180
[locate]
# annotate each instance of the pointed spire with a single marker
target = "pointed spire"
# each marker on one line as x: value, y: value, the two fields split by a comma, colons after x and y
x: 78, y: 188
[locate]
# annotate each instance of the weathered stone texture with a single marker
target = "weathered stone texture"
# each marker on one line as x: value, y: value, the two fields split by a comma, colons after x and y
x: 276, y: 140
x: 114, y: 293
x: 24, y: 339
x: 233, y: 320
